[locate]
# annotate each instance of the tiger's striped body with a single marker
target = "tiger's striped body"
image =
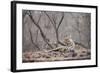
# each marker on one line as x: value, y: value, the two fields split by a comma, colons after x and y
x: 69, y: 45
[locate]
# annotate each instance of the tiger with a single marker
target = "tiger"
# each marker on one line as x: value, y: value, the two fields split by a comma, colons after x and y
x: 69, y: 45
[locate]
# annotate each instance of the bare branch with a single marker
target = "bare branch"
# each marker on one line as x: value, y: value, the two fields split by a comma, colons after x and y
x: 39, y: 19
x: 60, y: 21
x: 32, y: 39
x: 36, y: 36
x: 49, y: 18
x: 42, y: 34
x: 53, y: 21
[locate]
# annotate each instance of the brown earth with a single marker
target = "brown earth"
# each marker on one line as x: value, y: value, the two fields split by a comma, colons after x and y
x: 79, y: 53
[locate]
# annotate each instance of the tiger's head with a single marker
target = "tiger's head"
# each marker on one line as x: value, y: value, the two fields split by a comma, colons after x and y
x: 68, y: 40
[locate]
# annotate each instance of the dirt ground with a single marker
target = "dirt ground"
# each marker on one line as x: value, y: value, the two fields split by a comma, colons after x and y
x: 79, y: 53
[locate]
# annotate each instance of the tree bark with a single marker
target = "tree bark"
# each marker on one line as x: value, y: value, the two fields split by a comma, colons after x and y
x: 33, y: 40
x: 56, y: 28
x: 42, y: 34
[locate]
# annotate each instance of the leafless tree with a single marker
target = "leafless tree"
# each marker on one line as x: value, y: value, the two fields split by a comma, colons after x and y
x: 53, y: 19
x: 37, y: 25
x: 36, y: 36
x: 31, y: 38
x: 56, y: 25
